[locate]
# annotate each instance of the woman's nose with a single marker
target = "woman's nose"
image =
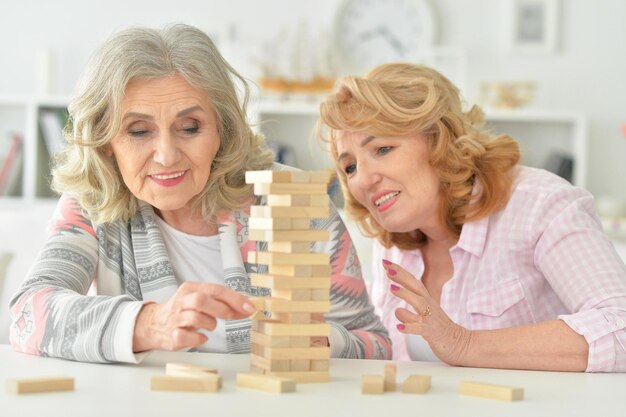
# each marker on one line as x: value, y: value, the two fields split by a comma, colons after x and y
x: 166, y: 151
x: 367, y: 177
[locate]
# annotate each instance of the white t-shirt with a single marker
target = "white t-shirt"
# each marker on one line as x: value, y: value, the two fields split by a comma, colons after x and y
x: 197, y: 259
x: 419, y: 350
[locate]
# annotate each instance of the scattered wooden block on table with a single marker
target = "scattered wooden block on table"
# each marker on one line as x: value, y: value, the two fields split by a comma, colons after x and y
x: 390, y: 376
x: 191, y: 382
x: 416, y: 384
x: 305, y: 377
x: 372, y: 384
x: 493, y: 391
x: 265, y: 382
x: 34, y: 385
x: 176, y: 368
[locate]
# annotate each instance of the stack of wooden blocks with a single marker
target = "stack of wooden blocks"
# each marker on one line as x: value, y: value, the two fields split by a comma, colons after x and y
x: 284, y: 343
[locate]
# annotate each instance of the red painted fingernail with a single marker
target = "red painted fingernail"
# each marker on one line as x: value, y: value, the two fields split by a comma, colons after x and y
x: 386, y: 262
x: 392, y: 271
x: 394, y: 287
x: 400, y: 326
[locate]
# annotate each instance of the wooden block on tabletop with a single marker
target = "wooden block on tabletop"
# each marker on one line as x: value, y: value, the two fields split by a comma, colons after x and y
x: 286, y: 282
x: 192, y: 382
x: 34, y: 385
x: 289, y: 247
x: 390, y: 376
x: 261, y: 223
x: 263, y: 382
x: 181, y: 369
x: 287, y: 200
x: 289, y: 212
x: 311, y: 235
x: 300, y: 270
x: 372, y: 384
x: 493, y: 391
x: 305, y: 377
x: 289, y: 188
x: 416, y: 384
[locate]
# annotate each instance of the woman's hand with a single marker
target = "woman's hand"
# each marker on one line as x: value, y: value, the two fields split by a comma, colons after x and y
x: 173, y: 325
x: 448, y: 341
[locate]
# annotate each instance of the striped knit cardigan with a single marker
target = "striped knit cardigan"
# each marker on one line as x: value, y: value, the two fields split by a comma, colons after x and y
x: 129, y: 265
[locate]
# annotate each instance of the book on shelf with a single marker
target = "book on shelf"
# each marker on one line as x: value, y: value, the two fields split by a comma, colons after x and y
x: 51, y: 122
x: 11, y: 167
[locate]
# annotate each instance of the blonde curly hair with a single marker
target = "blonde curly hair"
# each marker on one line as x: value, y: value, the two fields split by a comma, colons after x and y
x: 84, y: 169
x: 405, y: 99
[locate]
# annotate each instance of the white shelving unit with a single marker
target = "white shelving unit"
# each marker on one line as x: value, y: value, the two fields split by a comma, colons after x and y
x: 20, y: 114
x: 540, y: 133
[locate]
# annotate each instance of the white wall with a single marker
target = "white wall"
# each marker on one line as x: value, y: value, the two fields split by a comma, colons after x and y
x: 587, y: 74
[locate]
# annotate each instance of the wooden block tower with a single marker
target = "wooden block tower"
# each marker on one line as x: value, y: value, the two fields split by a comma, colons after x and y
x: 284, y: 344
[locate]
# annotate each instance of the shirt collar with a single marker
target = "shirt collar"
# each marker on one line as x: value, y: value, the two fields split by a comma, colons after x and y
x: 474, y: 236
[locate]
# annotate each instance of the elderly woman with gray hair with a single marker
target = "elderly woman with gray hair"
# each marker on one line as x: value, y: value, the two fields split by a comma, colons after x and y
x: 153, y: 215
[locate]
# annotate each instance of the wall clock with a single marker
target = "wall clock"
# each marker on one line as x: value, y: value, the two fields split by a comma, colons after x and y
x: 368, y: 33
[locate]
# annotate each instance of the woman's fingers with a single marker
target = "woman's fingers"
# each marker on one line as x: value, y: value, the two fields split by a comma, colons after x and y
x: 405, y: 315
x: 399, y: 275
x: 215, y: 300
x: 419, y: 303
x: 186, y: 338
x: 194, y: 320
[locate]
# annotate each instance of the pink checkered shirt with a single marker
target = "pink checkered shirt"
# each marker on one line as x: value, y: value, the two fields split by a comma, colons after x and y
x: 544, y: 256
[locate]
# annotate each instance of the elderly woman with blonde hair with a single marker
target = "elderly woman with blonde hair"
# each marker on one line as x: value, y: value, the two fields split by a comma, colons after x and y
x: 154, y: 215
x: 478, y: 261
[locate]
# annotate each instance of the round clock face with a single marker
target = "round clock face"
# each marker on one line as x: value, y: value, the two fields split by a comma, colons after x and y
x: 368, y: 33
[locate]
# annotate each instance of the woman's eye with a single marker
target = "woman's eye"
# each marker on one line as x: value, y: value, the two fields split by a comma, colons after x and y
x: 190, y: 128
x: 137, y: 132
x: 384, y: 150
x: 349, y: 169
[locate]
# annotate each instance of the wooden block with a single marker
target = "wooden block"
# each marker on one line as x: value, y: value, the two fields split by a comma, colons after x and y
x: 192, y: 382
x: 305, y: 377
x: 293, y: 318
x: 289, y: 247
x: 293, y: 294
x: 266, y: 382
x: 299, y: 365
x: 272, y: 258
x: 274, y: 328
x: 289, y: 188
x: 320, y: 365
x: 269, y: 365
x: 178, y: 368
x: 390, y: 376
x: 301, y: 270
x: 372, y: 384
x: 275, y: 223
x: 497, y: 392
x: 311, y: 235
x: 269, y: 340
x: 254, y: 177
x: 286, y: 282
x: 299, y: 341
x: 317, y: 200
x: 308, y: 212
x: 33, y: 385
x: 276, y: 305
x: 321, y: 176
x: 320, y: 294
x: 416, y: 384
x: 319, y: 352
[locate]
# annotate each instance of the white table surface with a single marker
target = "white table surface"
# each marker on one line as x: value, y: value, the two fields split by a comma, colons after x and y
x: 114, y: 390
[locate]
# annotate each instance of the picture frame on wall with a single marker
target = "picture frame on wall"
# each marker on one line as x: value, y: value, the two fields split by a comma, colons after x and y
x: 533, y: 26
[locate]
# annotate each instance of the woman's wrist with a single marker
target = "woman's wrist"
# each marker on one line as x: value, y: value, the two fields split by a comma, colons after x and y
x: 143, y: 340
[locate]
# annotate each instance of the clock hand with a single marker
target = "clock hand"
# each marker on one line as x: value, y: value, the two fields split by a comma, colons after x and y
x: 369, y: 34
x: 392, y: 40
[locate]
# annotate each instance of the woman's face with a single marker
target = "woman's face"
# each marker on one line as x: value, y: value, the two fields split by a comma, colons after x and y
x: 167, y: 141
x: 392, y: 178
